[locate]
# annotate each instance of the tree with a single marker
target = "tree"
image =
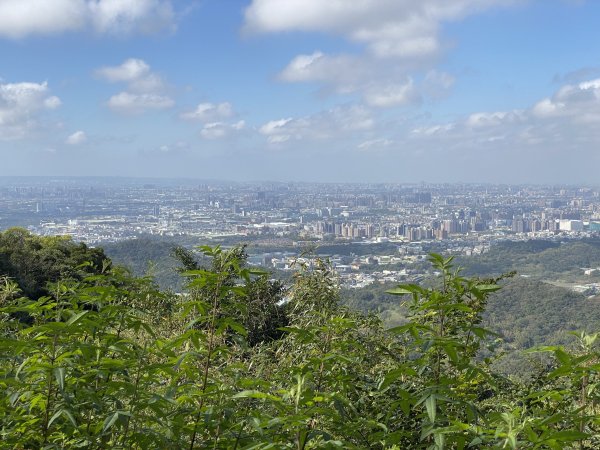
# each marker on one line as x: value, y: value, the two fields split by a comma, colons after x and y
x: 33, y: 261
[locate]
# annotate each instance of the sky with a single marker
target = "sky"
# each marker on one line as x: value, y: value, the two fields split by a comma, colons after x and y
x: 500, y: 91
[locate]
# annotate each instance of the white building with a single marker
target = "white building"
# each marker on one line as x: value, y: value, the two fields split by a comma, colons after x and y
x: 570, y: 225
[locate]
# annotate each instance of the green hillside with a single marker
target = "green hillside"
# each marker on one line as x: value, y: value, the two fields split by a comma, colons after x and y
x: 539, y: 259
x: 105, y: 359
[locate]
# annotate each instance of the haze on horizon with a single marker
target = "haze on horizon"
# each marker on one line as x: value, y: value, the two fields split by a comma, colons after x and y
x: 503, y: 91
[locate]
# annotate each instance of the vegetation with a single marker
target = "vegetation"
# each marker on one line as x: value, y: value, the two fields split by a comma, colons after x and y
x: 148, y: 256
x: 34, y: 262
x: 537, y: 259
x: 107, y: 360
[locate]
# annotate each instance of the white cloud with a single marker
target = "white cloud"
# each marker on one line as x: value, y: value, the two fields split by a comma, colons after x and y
x: 136, y: 73
x: 20, y: 106
x: 593, y: 84
x: 344, y: 74
x: 21, y: 18
x: 129, y: 103
x: 336, y: 123
x: 77, y: 138
x: 390, y: 28
x: 306, y: 68
x: 401, y: 39
x: 209, y: 112
x: 432, y: 130
x: 52, y: 102
x: 579, y: 102
x: 132, y: 69
x: 375, y: 144
x: 491, y: 119
x: 565, y: 124
x: 219, y: 130
x: 145, y: 89
x: 214, y: 117
x: 274, y: 126
x: 127, y: 16
x: 392, y: 94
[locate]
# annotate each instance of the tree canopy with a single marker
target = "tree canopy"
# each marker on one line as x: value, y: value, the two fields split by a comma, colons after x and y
x: 34, y: 261
x: 237, y: 361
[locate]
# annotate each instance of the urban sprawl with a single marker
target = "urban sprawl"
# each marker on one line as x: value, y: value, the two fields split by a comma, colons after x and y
x: 394, y: 226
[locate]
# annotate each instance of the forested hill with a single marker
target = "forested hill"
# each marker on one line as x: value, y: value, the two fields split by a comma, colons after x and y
x: 35, y: 262
x: 526, y: 312
x: 536, y: 258
x: 94, y: 357
x: 534, y: 307
x: 148, y: 256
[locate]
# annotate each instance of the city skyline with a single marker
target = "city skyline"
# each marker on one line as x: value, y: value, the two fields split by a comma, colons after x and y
x: 502, y: 91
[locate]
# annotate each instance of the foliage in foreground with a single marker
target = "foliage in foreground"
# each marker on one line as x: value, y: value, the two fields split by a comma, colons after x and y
x: 239, y: 362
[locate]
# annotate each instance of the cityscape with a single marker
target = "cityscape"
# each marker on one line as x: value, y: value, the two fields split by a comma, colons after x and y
x: 299, y: 224
x: 370, y: 232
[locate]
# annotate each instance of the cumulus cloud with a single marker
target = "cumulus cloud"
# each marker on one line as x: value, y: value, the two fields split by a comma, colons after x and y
x: 556, y: 142
x: 401, y: 38
x: 128, y: 16
x: 52, y: 102
x: 492, y: 119
x: 274, y: 127
x: 569, y: 119
x: 579, y: 102
x: 132, y: 69
x: 127, y: 102
x: 136, y: 73
x: 390, y: 28
x: 209, y: 112
x: 392, y: 94
x: 21, y: 18
x: 213, y: 117
x: 433, y: 130
x: 220, y: 130
x: 339, y: 122
x: 145, y: 89
x: 77, y: 138
x: 20, y: 106
x: 341, y: 73
x: 380, y: 83
x: 313, y: 67
x: 374, y: 144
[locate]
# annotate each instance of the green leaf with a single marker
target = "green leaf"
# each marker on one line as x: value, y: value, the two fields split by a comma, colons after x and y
x: 430, y: 405
x: 440, y: 440
x: 67, y: 413
x: 55, y: 416
x: 59, y: 374
x: 512, y: 440
x: 110, y: 421
x: 257, y: 395
x: 62, y: 412
x: 391, y: 377
x: 488, y: 287
x: 451, y: 352
x: 76, y: 317
x: 398, y: 291
x: 406, y: 289
x: 568, y: 436
x: 531, y: 436
x: 562, y: 356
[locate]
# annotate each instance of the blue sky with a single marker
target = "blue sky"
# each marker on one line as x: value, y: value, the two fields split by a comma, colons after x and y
x: 302, y: 90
